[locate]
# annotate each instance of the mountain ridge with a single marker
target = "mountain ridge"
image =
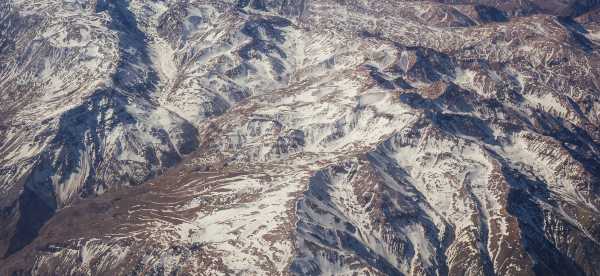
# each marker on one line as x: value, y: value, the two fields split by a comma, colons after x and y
x: 299, y: 137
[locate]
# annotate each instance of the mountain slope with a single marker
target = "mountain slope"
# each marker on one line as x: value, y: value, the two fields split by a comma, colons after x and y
x: 299, y: 137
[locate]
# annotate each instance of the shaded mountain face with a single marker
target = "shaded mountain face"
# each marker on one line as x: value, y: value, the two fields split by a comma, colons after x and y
x: 299, y: 137
x: 528, y: 7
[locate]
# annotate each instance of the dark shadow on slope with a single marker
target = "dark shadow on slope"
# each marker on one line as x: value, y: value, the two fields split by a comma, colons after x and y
x: 381, y: 79
x: 577, y: 33
x: 430, y: 65
x: 577, y: 141
x: 465, y: 125
x: 287, y: 7
x: 336, y: 244
x: 456, y: 124
x: 490, y: 14
x: 548, y: 259
x: 10, y: 21
x: 396, y: 211
x: 134, y: 73
x: 83, y: 127
x: 402, y: 176
x: 266, y: 33
x: 79, y: 128
x: 35, y: 211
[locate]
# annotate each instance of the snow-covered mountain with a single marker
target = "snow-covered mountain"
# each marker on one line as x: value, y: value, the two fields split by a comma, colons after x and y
x: 299, y: 137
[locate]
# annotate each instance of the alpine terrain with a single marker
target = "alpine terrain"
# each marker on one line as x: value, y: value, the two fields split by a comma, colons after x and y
x: 299, y: 137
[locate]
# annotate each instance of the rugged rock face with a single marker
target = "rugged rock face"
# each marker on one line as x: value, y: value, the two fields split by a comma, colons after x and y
x: 299, y: 137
